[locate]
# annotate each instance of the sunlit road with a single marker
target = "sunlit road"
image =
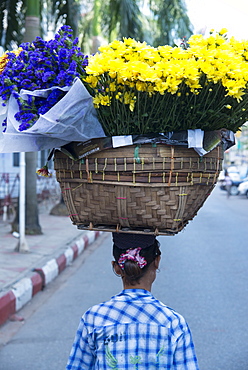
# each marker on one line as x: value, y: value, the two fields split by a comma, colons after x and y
x: 204, y: 276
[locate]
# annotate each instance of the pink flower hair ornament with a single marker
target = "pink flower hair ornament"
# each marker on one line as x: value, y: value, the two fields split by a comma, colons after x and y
x: 132, y: 255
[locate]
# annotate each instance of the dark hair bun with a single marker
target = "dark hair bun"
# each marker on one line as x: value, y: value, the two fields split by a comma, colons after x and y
x: 132, y: 271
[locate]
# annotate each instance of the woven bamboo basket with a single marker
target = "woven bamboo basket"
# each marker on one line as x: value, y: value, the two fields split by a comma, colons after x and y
x: 159, y: 190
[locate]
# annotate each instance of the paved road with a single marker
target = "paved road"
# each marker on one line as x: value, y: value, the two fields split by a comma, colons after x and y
x: 203, y: 276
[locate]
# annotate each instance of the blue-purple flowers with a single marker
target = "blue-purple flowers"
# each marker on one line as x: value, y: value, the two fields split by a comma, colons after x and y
x: 41, y: 65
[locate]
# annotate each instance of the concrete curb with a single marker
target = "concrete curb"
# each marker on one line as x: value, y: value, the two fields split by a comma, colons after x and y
x: 24, y: 290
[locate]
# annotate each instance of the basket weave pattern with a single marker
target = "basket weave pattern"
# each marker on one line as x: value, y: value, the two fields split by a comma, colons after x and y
x: 137, y: 189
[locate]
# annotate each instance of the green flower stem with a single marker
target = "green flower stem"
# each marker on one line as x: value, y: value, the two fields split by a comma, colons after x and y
x: 170, y: 112
x: 207, y: 105
x: 155, y: 98
x: 138, y: 110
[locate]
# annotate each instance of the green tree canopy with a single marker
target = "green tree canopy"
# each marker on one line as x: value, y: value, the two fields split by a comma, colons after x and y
x: 157, y: 22
x: 53, y: 13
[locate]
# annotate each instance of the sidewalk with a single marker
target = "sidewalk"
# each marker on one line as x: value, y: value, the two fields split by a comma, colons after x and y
x: 22, y: 275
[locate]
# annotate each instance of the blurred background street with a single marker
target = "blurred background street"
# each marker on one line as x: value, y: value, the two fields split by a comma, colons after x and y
x: 204, y: 268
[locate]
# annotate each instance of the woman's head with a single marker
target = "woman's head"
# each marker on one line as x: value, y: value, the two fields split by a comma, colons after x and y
x: 134, y: 254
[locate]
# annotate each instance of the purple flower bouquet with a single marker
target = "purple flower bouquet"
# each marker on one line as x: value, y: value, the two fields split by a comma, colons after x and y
x: 44, y: 104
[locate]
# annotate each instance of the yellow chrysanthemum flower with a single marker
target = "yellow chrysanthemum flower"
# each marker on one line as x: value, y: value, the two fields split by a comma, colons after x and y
x: 91, y: 80
x: 101, y: 100
x: 129, y: 99
x: 4, y: 58
x: 223, y: 31
x: 135, y: 74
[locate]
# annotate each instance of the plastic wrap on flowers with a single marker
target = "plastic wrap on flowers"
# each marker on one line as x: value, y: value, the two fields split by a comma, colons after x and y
x: 72, y: 118
x: 142, y: 188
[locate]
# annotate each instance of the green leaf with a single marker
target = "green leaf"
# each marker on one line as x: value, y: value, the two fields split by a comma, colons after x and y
x: 111, y: 360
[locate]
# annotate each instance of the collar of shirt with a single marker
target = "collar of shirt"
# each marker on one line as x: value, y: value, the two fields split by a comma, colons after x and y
x: 133, y: 294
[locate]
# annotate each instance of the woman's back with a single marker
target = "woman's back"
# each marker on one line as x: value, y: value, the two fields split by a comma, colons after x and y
x: 133, y: 330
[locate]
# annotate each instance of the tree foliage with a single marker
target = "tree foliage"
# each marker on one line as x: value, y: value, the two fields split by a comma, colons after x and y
x: 157, y: 22
x: 124, y: 19
x: 11, y: 23
x: 63, y: 12
x: 53, y: 13
x: 171, y: 20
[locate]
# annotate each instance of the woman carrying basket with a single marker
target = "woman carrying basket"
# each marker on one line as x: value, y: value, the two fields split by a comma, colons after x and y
x: 133, y: 330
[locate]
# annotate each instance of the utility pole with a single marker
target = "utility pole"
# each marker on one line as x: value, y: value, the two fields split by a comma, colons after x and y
x: 22, y: 245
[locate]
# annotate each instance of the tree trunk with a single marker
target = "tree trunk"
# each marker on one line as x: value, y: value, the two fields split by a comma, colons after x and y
x: 32, y: 227
x: 96, y: 28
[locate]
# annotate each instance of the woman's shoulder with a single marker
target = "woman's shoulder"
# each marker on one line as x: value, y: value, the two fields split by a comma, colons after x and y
x: 170, y: 314
x: 99, y: 308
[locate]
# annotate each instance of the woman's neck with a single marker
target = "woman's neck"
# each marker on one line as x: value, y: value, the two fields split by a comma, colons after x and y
x: 142, y: 285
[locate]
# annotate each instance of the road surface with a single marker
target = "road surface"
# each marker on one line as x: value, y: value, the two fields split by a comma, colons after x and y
x: 203, y: 276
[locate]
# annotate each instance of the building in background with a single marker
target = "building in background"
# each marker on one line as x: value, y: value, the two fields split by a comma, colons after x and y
x: 47, y: 187
x: 9, y: 162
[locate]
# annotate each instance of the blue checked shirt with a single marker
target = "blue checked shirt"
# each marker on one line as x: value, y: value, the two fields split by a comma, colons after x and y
x: 133, y: 330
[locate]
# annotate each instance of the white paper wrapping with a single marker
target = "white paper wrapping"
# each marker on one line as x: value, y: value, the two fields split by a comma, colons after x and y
x: 195, y: 140
x: 73, y: 118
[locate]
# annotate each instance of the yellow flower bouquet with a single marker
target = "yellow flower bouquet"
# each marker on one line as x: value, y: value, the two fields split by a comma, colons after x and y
x: 201, y: 84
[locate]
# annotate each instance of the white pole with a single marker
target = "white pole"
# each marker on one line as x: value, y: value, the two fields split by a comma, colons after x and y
x: 5, y: 207
x: 22, y: 244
